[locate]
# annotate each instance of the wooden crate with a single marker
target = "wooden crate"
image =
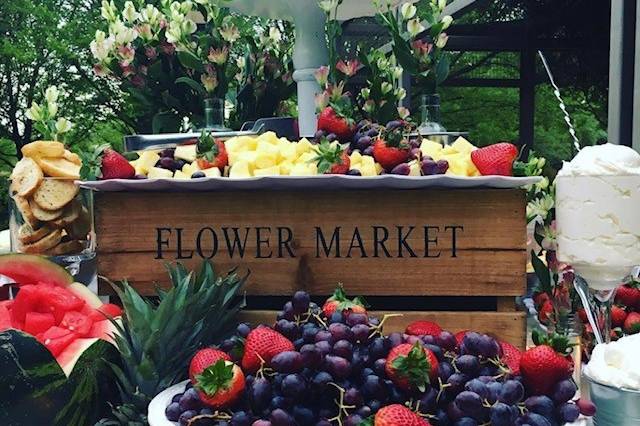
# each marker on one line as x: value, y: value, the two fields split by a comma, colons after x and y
x: 429, y: 243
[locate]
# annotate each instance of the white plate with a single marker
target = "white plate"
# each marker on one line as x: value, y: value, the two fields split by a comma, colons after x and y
x: 158, y: 405
x: 320, y: 182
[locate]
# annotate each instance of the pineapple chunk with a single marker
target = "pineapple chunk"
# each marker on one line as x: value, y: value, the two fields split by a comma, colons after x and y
x: 449, y: 149
x: 367, y: 160
x: 457, y: 165
x: 269, y: 171
x: 286, y: 167
x: 146, y: 162
x: 355, y: 157
x: 158, y: 173
x: 179, y: 174
x: 247, y: 157
x: 190, y: 168
x: 288, y: 152
x: 463, y: 145
x: 368, y: 170
x: 186, y: 153
x: 265, y: 160
x: 212, y: 172
x: 268, y: 137
x: 379, y: 168
x: 240, y: 170
x: 431, y: 149
x: 303, y: 146
x: 233, y: 156
x: 267, y: 147
x: 414, y: 168
x: 306, y: 158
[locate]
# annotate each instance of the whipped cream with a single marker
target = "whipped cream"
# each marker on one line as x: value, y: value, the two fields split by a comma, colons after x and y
x: 599, y: 160
x: 598, y: 214
x: 616, y: 364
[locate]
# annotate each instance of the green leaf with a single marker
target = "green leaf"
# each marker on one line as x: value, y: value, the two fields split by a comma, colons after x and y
x: 189, y: 60
x: 414, y: 367
x: 442, y: 69
x: 199, y: 89
x: 165, y: 122
x: 215, y: 377
x: 542, y: 272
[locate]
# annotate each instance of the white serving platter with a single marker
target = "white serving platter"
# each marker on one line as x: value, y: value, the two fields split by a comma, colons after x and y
x: 320, y: 182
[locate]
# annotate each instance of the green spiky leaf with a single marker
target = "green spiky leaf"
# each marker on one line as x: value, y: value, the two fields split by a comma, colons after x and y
x: 215, y: 377
x: 415, y: 367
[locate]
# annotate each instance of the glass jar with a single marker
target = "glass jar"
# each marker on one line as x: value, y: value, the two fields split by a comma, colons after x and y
x: 430, y: 112
x: 214, y: 114
x: 58, y: 224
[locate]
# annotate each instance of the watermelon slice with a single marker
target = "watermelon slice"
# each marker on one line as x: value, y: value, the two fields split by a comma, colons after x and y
x: 31, y: 269
x: 106, y: 311
x: 5, y: 317
x: 77, y: 322
x: 36, y: 322
x: 56, y: 339
x: 26, y: 301
x: 58, y: 301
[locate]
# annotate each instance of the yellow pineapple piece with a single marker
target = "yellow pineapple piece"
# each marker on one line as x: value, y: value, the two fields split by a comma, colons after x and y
x: 265, y: 160
x: 303, y: 146
x: 379, y: 168
x: 414, y: 168
x: 179, y: 174
x: 268, y: 137
x: 146, y: 162
x: 449, y: 149
x: 288, y: 151
x: 457, y: 165
x: 301, y: 169
x: 463, y: 145
x: 247, y: 157
x: 286, y: 167
x: 269, y: 171
x: 306, y: 158
x: 355, y: 158
x: 157, y: 173
x: 368, y: 170
x: 212, y: 172
x: 190, y: 168
x: 240, y: 170
x: 431, y: 149
x: 368, y: 160
x: 186, y: 153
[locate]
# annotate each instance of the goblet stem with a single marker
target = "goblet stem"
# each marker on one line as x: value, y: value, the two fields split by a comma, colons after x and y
x: 597, y: 305
x: 604, y: 302
x: 582, y: 288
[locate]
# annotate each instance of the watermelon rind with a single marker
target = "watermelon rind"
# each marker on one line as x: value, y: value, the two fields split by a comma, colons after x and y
x: 83, y: 292
x: 31, y: 269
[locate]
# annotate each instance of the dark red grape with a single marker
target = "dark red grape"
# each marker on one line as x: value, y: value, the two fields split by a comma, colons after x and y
x: 468, y: 364
x: 415, y: 153
x: 279, y: 417
x: 340, y: 331
x: 378, y: 366
x: 287, y: 362
x: 303, y: 415
x: 354, y: 172
x: 478, y: 387
x: 352, y: 396
x: 445, y: 370
x: 167, y: 163
x: 396, y: 339
x: 324, y: 347
x: 173, y: 411
x: 512, y: 392
x: 446, y: 340
x: 344, y: 349
x: 198, y: 175
x: 469, y: 403
x: 293, y: 385
x: 311, y: 356
x: 240, y: 418
x: 442, y: 166
x: 401, y: 169
x: 586, y: 407
x: 190, y: 400
x: 186, y: 416
x: 502, y: 415
x: 300, y: 302
x: 564, y: 391
x: 540, y: 404
x: 259, y: 394
x: 337, y: 366
x: 325, y: 335
x: 361, y: 332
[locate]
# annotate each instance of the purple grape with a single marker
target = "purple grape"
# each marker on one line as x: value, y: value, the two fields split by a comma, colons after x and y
x: 287, y: 362
x: 243, y: 329
x: 206, y: 410
x: 310, y: 355
x: 445, y: 370
x: 198, y: 175
x: 319, y: 135
x: 340, y: 331
x: 352, y: 396
x: 427, y: 339
x: 502, y: 415
x: 540, y: 404
x: 336, y: 317
x: 364, y: 142
x: 466, y: 421
x: 468, y: 364
x: 173, y: 411
x: 401, y: 169
x: 279, y: 417
x: 372, y: 132
x: 586, y: 407
x: 415, y: 153
x: 309, y: 333
x: 357, y: 318
x: 190, y: 400
x: 280, y: 402
x: 167, y: 153
x: 321, y: 380
x: 437, y: 351
x: 446, y: 340
x: 428, y: 400
x: 533, y: 419
x: 428, y: 167
x: 361, y: 332
x: 358, y: 361
x: 395, y: 395
x: 493, y: 389
x: 287, y: 311
x: 323, y: 422
x: 303, y: 415
x: 261, y: 422
x: 564, y: 391
x: 396, y: 339
x: 442, y: 419
x: 325, y: 336
x: 186, y: 416
x: 259, y: 393
x: 394, y: 124
x: 240, y: 418
x: 454, y: 412
x: 298, y: 343
x: 364, y: 411
x: 354, y: 172
x: 344, y: 349
x: 469, y: 403
x: 512, y: 392
x: 488, y: 370
x: 470, y: 343
x: 488, y: 347
x: 293, y: 385
x: 300, y: 302
x: 352, y: 420
x: 456, y: 382
x: 442, y: 166
x: 323, y: 347
x: 176, y: 398
x: 379, y: 347
x: 332, y: 137
x: 379, y: 366
x: 288, y: 328
x: 373, y: 387
x: 337, y: 366
x: 368, y: 151
x: 478, y: 387
x: 412, y: 340
x: 167, y: 163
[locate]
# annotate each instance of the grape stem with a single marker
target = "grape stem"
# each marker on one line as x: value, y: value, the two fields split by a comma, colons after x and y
x: 377, y: 329
x: 342, y: 408
x: 217, y: 415
x: 263, y: 370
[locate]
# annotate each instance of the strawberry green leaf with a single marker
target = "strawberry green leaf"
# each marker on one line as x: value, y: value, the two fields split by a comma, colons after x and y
x: 215, y: 377
x: 367, y: 422
x: 415, y: 367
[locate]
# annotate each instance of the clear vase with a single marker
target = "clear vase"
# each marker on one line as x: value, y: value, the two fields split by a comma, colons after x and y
x: 430, y: 112
x: 214, y: 114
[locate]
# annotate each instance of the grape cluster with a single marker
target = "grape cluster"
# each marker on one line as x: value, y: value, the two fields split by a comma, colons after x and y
x: 336, y: 375
x: 321, y: 135
x: 365, y: 136
x: 168, y: 162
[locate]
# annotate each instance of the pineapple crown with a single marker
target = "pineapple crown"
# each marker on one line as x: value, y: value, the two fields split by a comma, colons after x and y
x: 215, y: 377
x: 556, y: 341
x: 414, y: 366
x: 327, y: 154
x: 207, y: 147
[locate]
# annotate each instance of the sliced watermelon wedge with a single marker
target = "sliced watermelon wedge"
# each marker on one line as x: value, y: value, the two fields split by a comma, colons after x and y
x: 26, y: 301
x: 36, y: 322
x: 5, y: 318
x: 77, y: 322
x: 58, y: 301
x: 56, y: 339
x: 31, y: 269
x: 106, y: 311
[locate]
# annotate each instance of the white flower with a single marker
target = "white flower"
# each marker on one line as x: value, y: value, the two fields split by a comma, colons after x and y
x: 408, y: 11
x: 403, y: 113
x: 209, y: 81
x: 540, y: 207
x: 442, y: 40
x: 240, y: 62
x: 108, y: 10
x: 51, y: 94
x: 63, y: 125
x: 397, y: 72
x: 386, y: 87
x: 328, y: 5
x: 188, y: 27
x: 173, y: 33
x: 145, y: 31
x: 382, y: 63
x: 446, y: 21
x: 122, y: 33
x: 52, y: 108
x: 400, y: 93
x: 543, y: 184
x: 415, y: 27
x: 101, y: 47
x: 230, y: 33
x: 35, y: 112
x: 275, y: 35
x: 151, y: 15
x: 129, y: 12
x: 442, y: 4
x: 365, y: 92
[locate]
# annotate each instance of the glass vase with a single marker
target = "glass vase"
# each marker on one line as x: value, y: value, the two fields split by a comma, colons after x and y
x: 214, y: 114
x: 430, y: 112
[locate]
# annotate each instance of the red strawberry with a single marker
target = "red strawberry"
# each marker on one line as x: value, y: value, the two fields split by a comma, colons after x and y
x: 545, y: 312
x: 629, y: 295
x: 332, y: 122
x: 398, y: 415
x: 546, y: 364
x: 340, y: 302
x: 219, y: 384
x: 390, y: 156
x: 511, y: 357
x: 332, y: 158
x: 460, y: 335
x: 203, y: 359
x: 265, y: 343
x: 211, y: 153
x: 618, y: 316
x: 115, y: 166
x: 411, y: 367
x: 495, y: 159
x: 632, y: 323
x: 422, y: 328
